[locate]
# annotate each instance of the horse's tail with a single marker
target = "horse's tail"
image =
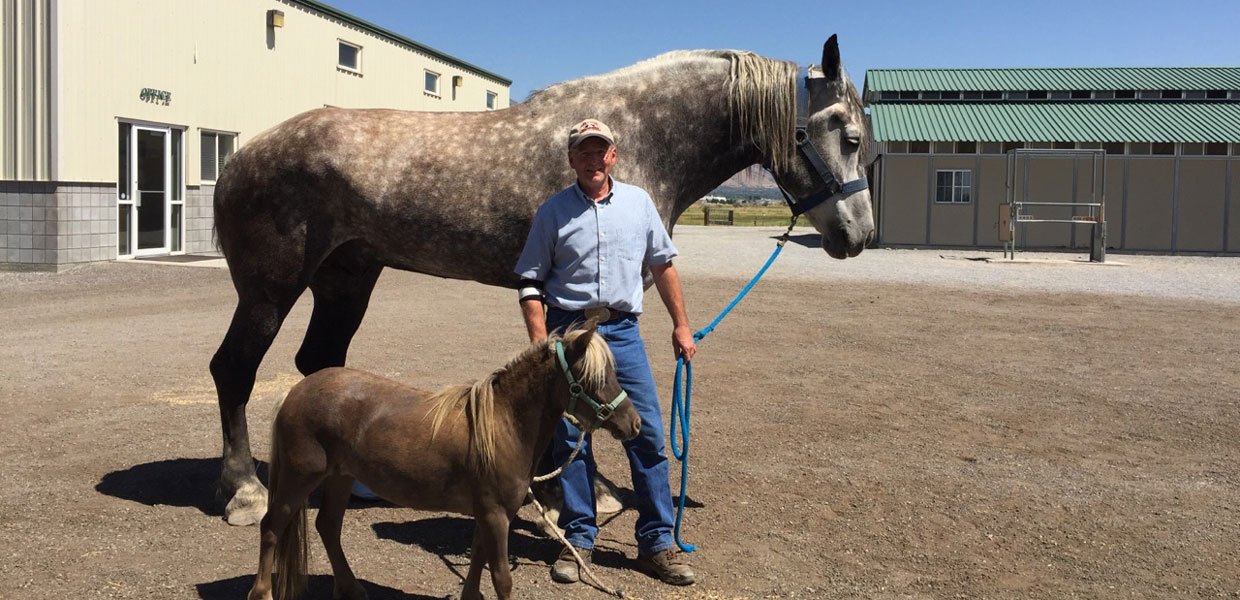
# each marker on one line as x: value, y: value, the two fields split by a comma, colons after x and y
x: 292, y: 552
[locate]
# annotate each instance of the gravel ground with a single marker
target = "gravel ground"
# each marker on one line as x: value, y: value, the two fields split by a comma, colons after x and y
x: 723, y: 251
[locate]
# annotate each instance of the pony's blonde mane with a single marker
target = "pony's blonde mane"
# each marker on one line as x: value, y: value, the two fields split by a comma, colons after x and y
x: 477, y: 401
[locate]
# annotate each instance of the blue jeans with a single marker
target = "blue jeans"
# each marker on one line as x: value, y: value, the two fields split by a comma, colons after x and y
x: 647, y: 460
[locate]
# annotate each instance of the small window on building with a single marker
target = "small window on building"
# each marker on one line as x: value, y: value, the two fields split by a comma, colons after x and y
x: 992, y: 95
x: 1216, y: 94
x: 944, y: 147
x: 1081, y: 94
x: 1149, y: 94
x: 1089, y: 145
x: 972, y: 95
x: 1235, y: 149
x: 432, y: 83
x: 1060, y: 95
x: 1191, y: 149
x: 1195, y: 94
x: 953, y: 186
x: 1018, y: 95
x: 950, y: 95
x: 991, y: 148
x: 1215, y: 149
x: 350, y: 57
x: 1038, y: 145
x: 919, y: 147
x: 1125, y: 94
x: 491, y: 100
x: 896, y: 96
x: 1172, y: 94
x: 1064, y: 145
x: 1234, y: 94
x: 1104, y: 95
x: 908, y: 95
x: 966, y: 147
x: 930, y: 96
x: 1007, y: 146
x: 217, y: 148
x: 897, y: 147
x: 1162, y: 148
x: 1139, y: 148
x: 1113, y: 147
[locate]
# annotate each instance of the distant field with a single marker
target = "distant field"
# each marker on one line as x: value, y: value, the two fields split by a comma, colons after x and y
x: 749, y: 216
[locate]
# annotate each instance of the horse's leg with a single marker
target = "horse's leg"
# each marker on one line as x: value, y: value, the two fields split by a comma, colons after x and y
x: 478, y: 557
x: 284, y: 523
x: 254, y: 325
x: 496, y: 522
x: 341, y: 287
x: 331, y: 517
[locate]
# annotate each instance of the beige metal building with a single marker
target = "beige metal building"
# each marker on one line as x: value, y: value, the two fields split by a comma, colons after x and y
x: 118, y: 115
x: 1170, y: 179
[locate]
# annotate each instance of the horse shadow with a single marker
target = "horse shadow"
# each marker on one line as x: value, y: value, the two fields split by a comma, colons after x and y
x: 319, y: 587
x: 809, y: 240
x: 187, y: 482
x: 453, y: 536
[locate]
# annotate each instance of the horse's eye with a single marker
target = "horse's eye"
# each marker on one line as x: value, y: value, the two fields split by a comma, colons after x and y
x: 854, y: 141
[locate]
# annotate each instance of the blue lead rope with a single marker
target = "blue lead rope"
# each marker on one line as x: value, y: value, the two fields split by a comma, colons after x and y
x: 680, y: 410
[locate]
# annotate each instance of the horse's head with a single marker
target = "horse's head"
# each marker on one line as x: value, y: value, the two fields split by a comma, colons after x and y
x: 588, y: 376
x: 838, y: 131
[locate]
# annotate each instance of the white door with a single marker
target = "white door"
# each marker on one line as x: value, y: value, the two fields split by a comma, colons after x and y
x: 150, y: 198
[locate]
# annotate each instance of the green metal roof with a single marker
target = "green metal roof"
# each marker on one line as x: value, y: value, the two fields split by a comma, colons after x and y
x: 1057, y: 122
x: 1053, y: 79
x: 400, y: 39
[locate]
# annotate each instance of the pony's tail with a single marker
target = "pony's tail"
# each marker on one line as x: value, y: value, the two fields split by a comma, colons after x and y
x: 292, y: 553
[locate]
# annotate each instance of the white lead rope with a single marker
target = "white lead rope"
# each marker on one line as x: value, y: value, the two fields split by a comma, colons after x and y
x: 542, y: 512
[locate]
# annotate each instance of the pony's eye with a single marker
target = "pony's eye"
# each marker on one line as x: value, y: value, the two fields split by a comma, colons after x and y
x: 853, y: 140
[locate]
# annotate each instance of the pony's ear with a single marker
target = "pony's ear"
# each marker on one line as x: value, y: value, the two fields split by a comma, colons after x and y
x: 580, y: 343
x: 831, y: 59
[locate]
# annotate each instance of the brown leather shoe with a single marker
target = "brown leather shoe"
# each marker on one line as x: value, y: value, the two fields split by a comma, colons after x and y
x: 565, y: 569
x: 670, y: 566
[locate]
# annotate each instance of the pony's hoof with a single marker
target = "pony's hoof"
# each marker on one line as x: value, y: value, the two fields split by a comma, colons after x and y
x: 248, y: 505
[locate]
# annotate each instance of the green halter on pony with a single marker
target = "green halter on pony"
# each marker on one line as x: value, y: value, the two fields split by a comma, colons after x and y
x: 602, y: 412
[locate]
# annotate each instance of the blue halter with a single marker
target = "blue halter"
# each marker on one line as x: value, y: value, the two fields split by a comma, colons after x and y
x: 828, y: 185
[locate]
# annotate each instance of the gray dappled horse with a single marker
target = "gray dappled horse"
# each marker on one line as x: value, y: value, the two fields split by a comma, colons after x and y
x: 330, y: 197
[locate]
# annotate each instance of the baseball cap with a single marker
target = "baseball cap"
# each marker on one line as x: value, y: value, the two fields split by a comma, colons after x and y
x: 587, y: 129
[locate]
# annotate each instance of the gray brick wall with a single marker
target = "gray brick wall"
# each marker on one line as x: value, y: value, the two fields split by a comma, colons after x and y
x: 46, y: 226
x: 199, y: 218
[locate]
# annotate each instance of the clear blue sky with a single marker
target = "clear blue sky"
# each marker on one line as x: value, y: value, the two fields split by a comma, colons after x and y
x: 538, y: 43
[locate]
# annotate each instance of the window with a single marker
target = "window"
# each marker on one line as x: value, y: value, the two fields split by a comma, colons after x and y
x: 896, y: 95
x: 1191, y: 149
x: 944, y: 147
x: 1064, y: 146
x: 930, y: 96
x: 953, y: 187
x: 908, y: 95
x: 217, y: 148
x: 1172, y: 94
x: 1060, y: 95
x: 1215, y: 149
x: 992, y: 95
x: 1009, y: 146
x: 1081, y: 94
x: 1149, y: 94
x: 432, y: 83
x: 897, y: 147
x: 950, y: 95
x: 1104, y: 95
x: 966, y: 147
x: 1018, y: 95
x: 972, y: 95
x: 1162, y: 148
x: 1139, y: 148
x: 1125, y: 94
x: 350, y: 57
x: 1037, y: 94
x: 919, y: 147
x: 1113, y: 147
x: 1195, y: 94
x: 991, y: 148
x: 491, y: 99
x: 1216, y: 94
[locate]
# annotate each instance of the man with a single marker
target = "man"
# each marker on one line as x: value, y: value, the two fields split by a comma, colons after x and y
x: 584, y: 258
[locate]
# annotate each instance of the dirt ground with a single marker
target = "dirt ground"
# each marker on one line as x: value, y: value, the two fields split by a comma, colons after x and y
x: 851, y: 439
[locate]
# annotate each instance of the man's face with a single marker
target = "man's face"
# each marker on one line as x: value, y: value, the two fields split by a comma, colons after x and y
x: 592, y: 160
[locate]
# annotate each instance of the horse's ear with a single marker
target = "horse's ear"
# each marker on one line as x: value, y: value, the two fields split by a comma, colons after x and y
x: 831, y: 59
x: 582, y: 342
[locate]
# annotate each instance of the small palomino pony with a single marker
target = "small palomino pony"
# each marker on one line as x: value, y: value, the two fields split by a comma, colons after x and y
x: 329, y: 198
x: 466, y: 449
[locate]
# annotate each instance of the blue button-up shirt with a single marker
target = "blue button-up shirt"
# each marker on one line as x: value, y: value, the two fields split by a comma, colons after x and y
x: 589, y: 254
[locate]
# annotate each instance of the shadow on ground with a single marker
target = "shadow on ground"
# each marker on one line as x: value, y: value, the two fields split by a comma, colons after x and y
x: 319, y: 587
x: 809, y: 240
x: 175, y: 482
x: 453, y: 536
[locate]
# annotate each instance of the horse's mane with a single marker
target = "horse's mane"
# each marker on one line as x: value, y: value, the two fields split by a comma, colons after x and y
x: 477, y: 401
x: 761, y: 95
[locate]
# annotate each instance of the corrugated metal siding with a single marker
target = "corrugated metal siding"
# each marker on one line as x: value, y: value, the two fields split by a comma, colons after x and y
x: 1058, y: 122
x: 1099, y: 78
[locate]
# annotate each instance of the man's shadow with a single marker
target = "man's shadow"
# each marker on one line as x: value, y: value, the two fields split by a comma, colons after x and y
x: 319, y: 587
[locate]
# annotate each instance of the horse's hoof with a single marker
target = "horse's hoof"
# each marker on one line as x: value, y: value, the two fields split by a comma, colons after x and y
x: 248, y: 505
x: 605, y: 500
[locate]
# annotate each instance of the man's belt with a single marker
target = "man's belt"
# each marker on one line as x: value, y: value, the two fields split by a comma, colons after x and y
x: 601, y: 313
